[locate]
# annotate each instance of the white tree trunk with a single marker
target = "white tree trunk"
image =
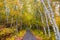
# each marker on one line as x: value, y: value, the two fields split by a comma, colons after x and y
x: 48, y: 13
x: 43, y: 23
x: 47, y: 23
x: 54, y: 22
x: 7, y: 10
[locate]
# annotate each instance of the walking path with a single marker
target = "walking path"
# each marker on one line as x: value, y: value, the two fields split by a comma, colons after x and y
x: 29, y: 36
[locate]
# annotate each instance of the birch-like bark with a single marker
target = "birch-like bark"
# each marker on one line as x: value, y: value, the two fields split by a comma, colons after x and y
x: 7, y: 10
x: 20, y: 5
x: 47, y: 23
x: 48, y: 13
x: 52, y: 16
x: 57, y: 9
x: 43, y: 23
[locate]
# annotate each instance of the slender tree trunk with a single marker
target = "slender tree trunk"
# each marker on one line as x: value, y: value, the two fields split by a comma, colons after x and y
x: 54, y: 22
x: 12, y: 21
x: 47, y: 23
x: 21, y: 23
x: 17, y: 24
x: 43, y: 23
x: 7, y: 10
x: 51, y: 20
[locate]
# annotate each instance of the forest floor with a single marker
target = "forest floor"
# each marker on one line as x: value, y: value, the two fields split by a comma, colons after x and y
x: 23, y: 35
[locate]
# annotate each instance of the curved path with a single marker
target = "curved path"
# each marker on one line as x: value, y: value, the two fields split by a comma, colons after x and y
x: 29, y: 36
